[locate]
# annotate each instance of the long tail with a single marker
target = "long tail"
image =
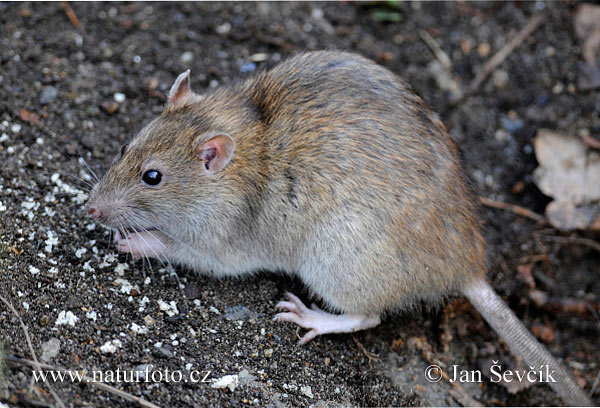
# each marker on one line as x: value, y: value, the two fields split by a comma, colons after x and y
x: 522, y: 342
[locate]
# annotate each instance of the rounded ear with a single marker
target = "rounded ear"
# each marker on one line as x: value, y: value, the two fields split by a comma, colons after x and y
x: 215, y: 152
x: 180, y: 92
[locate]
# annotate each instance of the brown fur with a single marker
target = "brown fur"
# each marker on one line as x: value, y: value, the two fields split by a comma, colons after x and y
x: 323, y: 140
x: 340, y: 176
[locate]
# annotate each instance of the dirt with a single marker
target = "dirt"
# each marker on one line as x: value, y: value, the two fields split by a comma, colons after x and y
x: 68, y: 92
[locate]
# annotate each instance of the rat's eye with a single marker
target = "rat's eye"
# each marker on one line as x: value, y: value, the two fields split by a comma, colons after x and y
x: 152, y: 177
x: 123, y: 149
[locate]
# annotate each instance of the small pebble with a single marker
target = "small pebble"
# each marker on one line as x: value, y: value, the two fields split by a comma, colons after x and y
x: 119, y: 97
x: 16, y: 128
x: 512, y: 125
x: 48, y: 95
x: 186, y: 57
x: 484, y: 49
x: 109, y: 107
x: 223, y: 28
x: 50, y: 349
x: 259, y: 57
x: 317, y: 13
x: 500, y: 78
x: 162, y: 352
x: 247, y: 67
x: 558, y: 88
x: 305, y: 390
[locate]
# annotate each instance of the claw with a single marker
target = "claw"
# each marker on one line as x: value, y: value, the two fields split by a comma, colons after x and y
x: 318, y: 321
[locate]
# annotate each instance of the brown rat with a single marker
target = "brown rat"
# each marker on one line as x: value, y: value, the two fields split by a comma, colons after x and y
x: 326, y: 167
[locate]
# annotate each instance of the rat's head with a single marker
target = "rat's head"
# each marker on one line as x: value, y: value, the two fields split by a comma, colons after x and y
x: 172, y: 173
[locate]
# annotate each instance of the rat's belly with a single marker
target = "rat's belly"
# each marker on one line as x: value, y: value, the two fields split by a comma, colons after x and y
x: 222, y: 263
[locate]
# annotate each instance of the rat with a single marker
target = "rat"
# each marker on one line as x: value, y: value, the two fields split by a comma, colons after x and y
x: 326, y: 167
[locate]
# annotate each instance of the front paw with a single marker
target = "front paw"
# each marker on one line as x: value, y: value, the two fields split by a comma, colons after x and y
x: 147, y: 244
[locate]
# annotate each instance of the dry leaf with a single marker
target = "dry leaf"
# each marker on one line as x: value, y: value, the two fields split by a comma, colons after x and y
x: 569, y: 173
x: 587, y: 27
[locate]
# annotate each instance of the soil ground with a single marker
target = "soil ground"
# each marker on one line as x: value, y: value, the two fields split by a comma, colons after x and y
x: 67, y: 92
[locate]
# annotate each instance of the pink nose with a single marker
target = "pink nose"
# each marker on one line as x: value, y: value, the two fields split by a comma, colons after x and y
x: 95, y: 213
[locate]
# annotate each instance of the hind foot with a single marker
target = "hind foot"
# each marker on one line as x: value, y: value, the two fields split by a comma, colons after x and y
x: 318, y: 321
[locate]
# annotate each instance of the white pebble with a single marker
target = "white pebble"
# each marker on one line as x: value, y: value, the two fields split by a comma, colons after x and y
x: 259, y: 57
x: 223, y: 28
x: 228, y: 381
x: 111, y: 346
x: 120, y: 269
x: 317, y: 13
x: 65, y: 317
x: 119, y: 97
x: 306, y: 391
x: 138, y: 329
x: 186, y: 57
x: 169, y: 308
x: 80, y: 252
x: 16, y: 128
x: 126, y: 287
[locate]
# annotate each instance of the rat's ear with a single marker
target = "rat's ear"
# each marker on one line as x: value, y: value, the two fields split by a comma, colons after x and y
x: 180, y: 92
x: 216, y: 152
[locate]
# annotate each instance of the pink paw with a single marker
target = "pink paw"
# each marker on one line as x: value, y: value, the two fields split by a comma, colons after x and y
x: 141, y: 244
x: 318, y: 321
x: 299, y: 314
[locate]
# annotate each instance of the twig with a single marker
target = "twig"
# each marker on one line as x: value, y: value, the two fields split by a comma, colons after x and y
x: 596, y: 382
x: 83, y: 379
x: 370, y: 356
x: 158, y: 95
x: 31, y: 349
x: 497, y: 59
x: 522, y: 211
x: 564, y: 305
x: 70, y: 13
x: 591, y: 142
x: 574, y: 240
x: 284, y: 45
x: 436, y: 49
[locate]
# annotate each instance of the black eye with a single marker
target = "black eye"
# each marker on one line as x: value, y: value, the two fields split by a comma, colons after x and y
x: 152, y: 177
x: 123, y: 149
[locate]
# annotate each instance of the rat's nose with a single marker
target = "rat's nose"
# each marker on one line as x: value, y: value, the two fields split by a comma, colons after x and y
x: 96, y: 213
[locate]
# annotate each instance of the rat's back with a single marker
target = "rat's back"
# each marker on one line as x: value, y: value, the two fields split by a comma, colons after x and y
x: 358, y: 158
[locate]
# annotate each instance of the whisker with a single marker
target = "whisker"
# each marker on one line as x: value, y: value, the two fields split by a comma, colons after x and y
x: 146, y: 242
x: 64, y: 173
x: 121, y: 229
x: 82, y: 161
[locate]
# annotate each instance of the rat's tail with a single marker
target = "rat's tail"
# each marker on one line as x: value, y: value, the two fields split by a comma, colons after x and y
x: 522, y: 342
